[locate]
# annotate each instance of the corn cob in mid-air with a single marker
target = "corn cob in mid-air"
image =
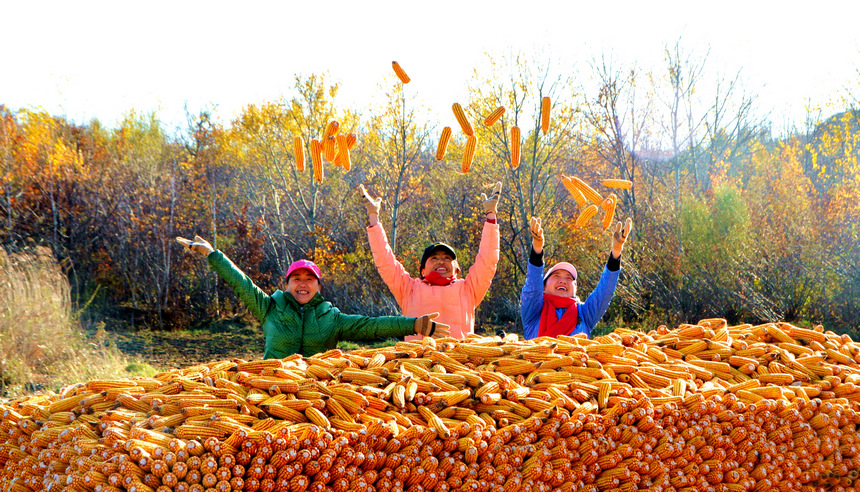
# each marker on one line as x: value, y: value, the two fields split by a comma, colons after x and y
x: 316, y: 160
x: 469, y: 152
x: 586, y: 190
x: 494, y: 116
x: 462, y: 119
x: 617, y: 183
x: 401, y: 74
x: 545, y: 107
x: 586, y: 215
x: 608, y: 206
x: 516, y: 146
x: 442, y: 147
x: 299, y: 152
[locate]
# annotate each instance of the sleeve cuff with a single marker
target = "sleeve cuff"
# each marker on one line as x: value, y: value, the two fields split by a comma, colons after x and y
x: 535, y: 259
x: 492, y: 221
x: 613, y: 264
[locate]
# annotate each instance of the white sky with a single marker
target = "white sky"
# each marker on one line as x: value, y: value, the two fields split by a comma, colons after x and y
x: 91, y: 59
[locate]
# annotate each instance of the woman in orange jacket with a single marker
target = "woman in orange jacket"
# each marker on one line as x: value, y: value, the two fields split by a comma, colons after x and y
x: 439, y: 287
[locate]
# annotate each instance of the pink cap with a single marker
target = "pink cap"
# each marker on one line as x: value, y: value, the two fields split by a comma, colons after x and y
x: 306, y: 264
x: 562, y: 265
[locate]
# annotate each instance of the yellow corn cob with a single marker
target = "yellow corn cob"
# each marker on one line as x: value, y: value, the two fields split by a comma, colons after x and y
x: 443, y: 385
x: 770, y: 392
x: 545, y: 106
x: 351, y: 139
x: 329, y: 148
x: 434, y: 421
x: 343, y: 152
x: 469, y: 152
x: 780, y: 379
x: 516, y: 146
x: 473, y: 350
x: 330, y: 130
x: 299, y: 152
x: 317, y: 417
x: 603, y: 394
x: 586, y: 190
x: 316, y: 160
x: 491, y: 387
x: 198, y: 432
x: 608, y: 206
x: 617, y: 183
x: 264, y: 383
x: 712, y: 365
x: 442, y: 148
x: 282, y: 411
x: 362, y: 378
x: 586, y: 215
x: 66, y: 404
x: 398, y: 395
x: 462, y: 120
x: 400, y: 73
x: 573, y: 190
x: 494, y: 116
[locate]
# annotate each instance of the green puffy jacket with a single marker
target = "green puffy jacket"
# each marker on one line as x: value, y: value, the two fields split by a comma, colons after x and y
x: 315, y: 327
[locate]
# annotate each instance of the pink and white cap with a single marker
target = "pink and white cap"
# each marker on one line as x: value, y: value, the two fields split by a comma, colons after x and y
x: 307, y: 264
x: 562, y: 265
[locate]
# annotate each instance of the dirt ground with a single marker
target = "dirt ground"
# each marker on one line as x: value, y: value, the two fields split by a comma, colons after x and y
x: 165, y: 350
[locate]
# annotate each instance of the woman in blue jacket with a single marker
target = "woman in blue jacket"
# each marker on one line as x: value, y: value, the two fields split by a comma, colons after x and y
x: 549, y: 305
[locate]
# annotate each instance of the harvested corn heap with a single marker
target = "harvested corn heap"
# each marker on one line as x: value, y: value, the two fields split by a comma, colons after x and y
x: 704, y: 407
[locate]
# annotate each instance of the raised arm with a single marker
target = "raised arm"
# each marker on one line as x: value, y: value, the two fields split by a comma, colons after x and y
x: 481, y: 273
x: 257, y: 301
x: 531, y: 298
x: 396, y: 277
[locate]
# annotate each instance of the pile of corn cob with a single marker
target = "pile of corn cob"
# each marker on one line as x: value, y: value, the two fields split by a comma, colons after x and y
x: 697, y: 408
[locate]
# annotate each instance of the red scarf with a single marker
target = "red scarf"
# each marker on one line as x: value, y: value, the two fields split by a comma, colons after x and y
x: 433, y: 278
x: 550, y: 325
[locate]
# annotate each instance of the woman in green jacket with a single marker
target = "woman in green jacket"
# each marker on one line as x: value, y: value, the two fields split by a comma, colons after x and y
x: 300, y: 320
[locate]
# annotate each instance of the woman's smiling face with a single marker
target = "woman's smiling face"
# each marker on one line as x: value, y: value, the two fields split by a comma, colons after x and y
x: 560, y: 283
x: 303, y: 285
x: 441, y: 263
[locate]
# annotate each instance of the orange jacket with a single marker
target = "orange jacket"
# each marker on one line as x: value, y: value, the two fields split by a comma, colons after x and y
x: 455, y: 302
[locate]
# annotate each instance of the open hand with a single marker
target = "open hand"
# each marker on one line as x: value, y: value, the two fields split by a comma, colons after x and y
x: 619, y: 237
x: 371, y: 204
x: 491, y: 204
x: 537, y: 234
x: 199, y: 245
x: 425, y: 325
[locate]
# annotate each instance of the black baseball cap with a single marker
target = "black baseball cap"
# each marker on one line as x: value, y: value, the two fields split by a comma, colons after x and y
x: 428, y: 252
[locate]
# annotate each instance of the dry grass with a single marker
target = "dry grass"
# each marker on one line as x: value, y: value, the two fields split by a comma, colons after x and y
x: 41, y: 344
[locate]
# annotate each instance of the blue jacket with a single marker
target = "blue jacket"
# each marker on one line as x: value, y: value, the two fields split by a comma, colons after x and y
x: 590, y: 311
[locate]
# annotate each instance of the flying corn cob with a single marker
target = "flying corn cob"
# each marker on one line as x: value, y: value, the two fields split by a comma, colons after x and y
x: 617, y: 183
x: 469, y: 152
x: 574, y: 191
x: 587, y: 191
x: 586, y: 215
x: 299, y: 152
x: 330, y: 129
x: 401, y: 74
x: 494, y: 116
x: 442, y: 148
x: 316, y: 159
x: 608, y: 206
x: 545, y: 106
x: 343, y: 152
x: 516, y: 145
x: 329, y: 148
x: 462, y: 120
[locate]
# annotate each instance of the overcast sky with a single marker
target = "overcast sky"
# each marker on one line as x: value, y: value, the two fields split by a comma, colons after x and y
x: 90, y: 59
